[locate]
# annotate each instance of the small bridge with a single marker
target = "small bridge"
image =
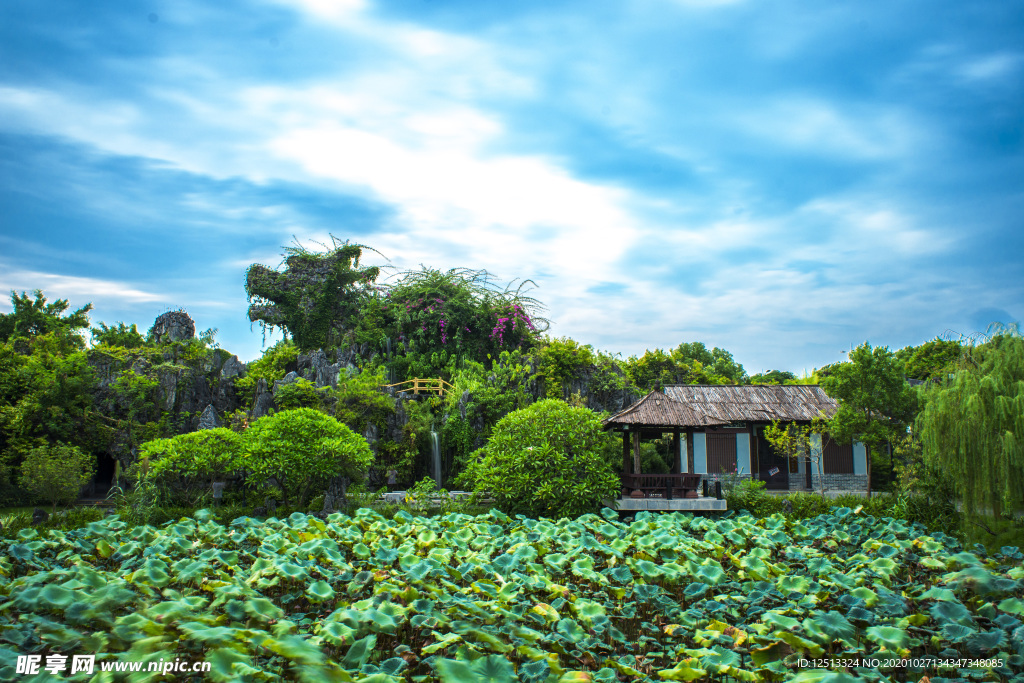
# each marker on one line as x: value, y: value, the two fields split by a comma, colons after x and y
x: 437, y: 386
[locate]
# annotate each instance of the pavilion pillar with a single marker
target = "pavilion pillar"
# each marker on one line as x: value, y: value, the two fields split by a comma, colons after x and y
x: 675, y: 452
x: 625, y: 452
x: 636, y: 452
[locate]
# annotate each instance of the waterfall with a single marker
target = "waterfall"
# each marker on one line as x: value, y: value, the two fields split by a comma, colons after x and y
x: 435, y: 450
x: 387, y: 360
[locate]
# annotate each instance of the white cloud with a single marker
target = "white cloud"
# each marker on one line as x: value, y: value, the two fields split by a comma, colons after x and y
x: 990, y: 67
x: 77, y: 288
x: 819, y: 127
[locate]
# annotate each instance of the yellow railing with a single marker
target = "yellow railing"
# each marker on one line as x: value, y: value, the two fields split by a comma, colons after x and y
x: 438, y: 386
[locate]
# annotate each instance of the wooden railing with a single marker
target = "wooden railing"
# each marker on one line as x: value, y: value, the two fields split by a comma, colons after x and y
x: 680, y: 485
x: 437, y: 386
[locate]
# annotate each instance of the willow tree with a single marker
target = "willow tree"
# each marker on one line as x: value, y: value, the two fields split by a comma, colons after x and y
x: 972, y: 427
x: 317, y: 298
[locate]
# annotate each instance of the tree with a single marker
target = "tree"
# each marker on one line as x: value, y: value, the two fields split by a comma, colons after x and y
x: 45, y: 396
x: 545, y: 460
x: 876, y: 405
x: 302, y: 449
x: 797, y: 441
x: 462, y: 313
x: 188, y: 464
x: 935, y: 359
x: 972, y: 427
x: 316, y: 299
x: 688, y: 363
x: 773, y: 377
x: 57, y: 473
x: 125, y: 336
x: 34, y: 318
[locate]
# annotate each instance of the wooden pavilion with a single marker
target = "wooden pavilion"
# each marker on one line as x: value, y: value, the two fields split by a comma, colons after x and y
x: 718, y: 430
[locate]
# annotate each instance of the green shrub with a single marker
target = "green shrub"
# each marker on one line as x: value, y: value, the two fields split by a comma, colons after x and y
x: 271, y: 366
x: 808, y: 504
x: 299, y: 394
x: 188, y: 464
x: 67, y: 520
x: 750, y: 495
x: 301, y: 449
x: 57, y: 473
x: 544, y: 460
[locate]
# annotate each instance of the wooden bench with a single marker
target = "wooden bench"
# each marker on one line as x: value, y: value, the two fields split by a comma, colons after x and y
x: 662, y: 485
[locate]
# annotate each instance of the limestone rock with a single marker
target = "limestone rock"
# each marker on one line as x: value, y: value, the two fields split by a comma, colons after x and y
x: 209, y: 419
x: 264, y: 402
x: 232, y: 368
x: 173, y: 326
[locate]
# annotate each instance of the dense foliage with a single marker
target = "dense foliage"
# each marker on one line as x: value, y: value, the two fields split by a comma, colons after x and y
x: 56, y: 473
x: 459, y: 598
x: 972, y: 428
x: 188, y: 464
x: 545, y: 459
x: 317, y: 296
x: 300, y: 450
x: 688, y: 363
x: 33, y: 317
x: 876, y: 405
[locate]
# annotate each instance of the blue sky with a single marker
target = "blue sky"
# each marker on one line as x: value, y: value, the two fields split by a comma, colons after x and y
x: 782, y: 179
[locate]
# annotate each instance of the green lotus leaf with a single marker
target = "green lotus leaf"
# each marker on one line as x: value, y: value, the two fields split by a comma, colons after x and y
x: 571, y: 630
x: 829, y: 626
x: 966, y: 559
x: 491, y: 669
x: 932, y: 563
x: 793, y: 584
x: 769, y: 653
x: 980, y: 644
x: 869, y: 596
x: 891, y: 637
x: 212, y: 635
x: 318, y: 591
x: 442, y: 642
x: 942, y: 594
x: 621, y: 574
x: 1012, y: 606
x: 799, y: 643
x: 263, y: 609
x: 686, y: 670
x: 695, y: 591
x: 779, y: 620
x: 647, y: 569
x: 556, y: 561
x: 951, y: 612
x: 710, y: 573
x: 823, y: 676
x: 861, y: 617
x: 228, y: 664
x: 957, y: 633
x: 360, y: 652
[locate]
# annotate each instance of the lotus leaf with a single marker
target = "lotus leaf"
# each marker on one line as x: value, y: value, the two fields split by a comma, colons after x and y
x: 686, y: 670
x: 951, y: 612
x: 893, y: 639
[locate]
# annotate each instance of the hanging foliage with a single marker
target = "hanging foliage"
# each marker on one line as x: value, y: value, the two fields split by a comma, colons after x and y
x: 317, y: 298
x: 972, y: 427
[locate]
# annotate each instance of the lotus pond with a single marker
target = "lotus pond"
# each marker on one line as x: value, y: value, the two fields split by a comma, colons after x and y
x: 494, y: 598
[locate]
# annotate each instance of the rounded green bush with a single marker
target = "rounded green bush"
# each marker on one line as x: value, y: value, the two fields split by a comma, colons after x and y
x: 301, y: 449
x: 188, y: 464
x: 545, y: 461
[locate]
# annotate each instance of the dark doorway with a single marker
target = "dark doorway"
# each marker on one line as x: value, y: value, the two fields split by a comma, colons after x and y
x: 721, y: 453
x: 774, y: 468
